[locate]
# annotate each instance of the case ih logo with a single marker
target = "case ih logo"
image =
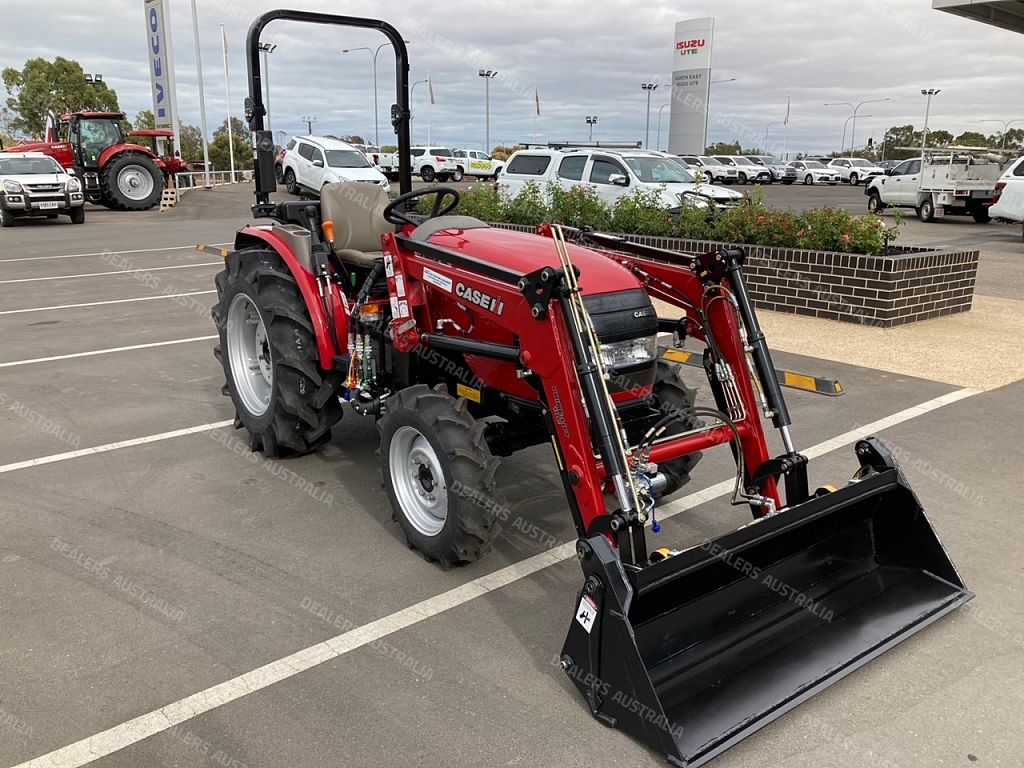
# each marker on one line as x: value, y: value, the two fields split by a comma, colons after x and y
x: 490, y: 303
x: 689, y: 47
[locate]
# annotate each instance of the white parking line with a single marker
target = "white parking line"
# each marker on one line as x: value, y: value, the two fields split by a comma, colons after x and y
x: 115, y: 272
x: 101, y: 303
x: 142, y: 727
x: 190, y: 247
x: 55, y: 457
x: 93, y: 352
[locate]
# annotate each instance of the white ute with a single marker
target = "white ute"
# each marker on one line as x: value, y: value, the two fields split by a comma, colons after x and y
x: 955, y: 181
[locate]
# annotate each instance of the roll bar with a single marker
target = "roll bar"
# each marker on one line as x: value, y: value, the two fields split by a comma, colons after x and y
x: 255, y: 110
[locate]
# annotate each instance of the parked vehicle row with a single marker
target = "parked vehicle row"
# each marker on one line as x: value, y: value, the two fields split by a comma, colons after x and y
x: 614, y: 174
x: 815, y: 172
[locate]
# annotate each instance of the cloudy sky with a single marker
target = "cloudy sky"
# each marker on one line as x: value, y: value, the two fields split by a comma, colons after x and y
x: 583, y: 56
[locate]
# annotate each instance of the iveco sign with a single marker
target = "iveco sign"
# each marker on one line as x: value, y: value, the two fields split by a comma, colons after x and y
x: 691, y: 79
x: 161, y: 67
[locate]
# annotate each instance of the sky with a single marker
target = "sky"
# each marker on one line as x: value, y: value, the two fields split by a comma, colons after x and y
x: 583, y: 57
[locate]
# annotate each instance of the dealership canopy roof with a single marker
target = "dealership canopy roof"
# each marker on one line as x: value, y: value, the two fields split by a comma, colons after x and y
x: 1008, y: 14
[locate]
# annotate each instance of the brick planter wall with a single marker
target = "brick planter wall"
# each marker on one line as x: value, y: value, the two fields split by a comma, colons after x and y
x: 907, y: 285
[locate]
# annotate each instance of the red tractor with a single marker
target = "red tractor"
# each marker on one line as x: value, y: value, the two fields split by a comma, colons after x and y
x: 114, y: 172
x: 467, y: 342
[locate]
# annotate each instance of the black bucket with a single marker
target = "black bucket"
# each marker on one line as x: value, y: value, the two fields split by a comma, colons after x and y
x: 696, y: 652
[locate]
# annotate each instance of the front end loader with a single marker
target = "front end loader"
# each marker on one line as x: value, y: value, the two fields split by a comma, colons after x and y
x: 467, y: 343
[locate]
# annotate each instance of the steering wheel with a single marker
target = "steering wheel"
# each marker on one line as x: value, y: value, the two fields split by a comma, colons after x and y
x: 395, y: 212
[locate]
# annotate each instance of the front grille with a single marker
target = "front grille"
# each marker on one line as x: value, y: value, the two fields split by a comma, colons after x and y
x: 44, y: 187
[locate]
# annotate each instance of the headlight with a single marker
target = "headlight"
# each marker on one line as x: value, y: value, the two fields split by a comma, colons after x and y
x: 12, y: 186
x: 619, y: 354
x: 694, y: 201
x: 74, y: 185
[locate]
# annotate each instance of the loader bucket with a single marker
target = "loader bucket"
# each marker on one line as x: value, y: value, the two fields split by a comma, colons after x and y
x: 694, y: 653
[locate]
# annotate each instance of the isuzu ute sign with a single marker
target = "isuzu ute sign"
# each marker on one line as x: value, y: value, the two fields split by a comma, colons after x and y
x: 691, y: 80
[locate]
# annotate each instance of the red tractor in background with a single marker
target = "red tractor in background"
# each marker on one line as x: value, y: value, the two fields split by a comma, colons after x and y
x: 114, y: 172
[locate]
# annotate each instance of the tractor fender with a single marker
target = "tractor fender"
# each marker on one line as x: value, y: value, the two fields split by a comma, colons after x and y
x: 258, y: 235
x: 113, y: 150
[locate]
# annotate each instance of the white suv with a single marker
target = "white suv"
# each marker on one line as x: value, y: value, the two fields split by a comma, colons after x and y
x: 854, y: 170
x: 613, y: 175
x: 310, y: 162
x: 431, y: 163
x: 713, y: 170
x: 34, y: 184
x: 1008, y: 203
x: 473, y: 162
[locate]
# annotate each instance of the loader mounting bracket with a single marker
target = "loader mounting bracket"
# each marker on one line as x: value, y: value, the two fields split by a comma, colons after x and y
x: 793, y: 467
x: 872, y: 452
x: 538, y: 287
x: 712, y: 267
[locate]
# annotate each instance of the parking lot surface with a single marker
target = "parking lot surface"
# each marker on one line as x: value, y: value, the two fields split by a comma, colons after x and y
x: 169, y: 599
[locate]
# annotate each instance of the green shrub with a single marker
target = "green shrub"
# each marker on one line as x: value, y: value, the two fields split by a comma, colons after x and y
x: 528, y: 207
x: 577, y: 206
x: 641, y: 213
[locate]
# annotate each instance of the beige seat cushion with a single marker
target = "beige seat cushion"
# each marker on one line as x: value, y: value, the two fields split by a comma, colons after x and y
x: 356, y: 209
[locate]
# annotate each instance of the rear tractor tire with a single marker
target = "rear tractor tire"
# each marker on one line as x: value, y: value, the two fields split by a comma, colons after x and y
x: 269, y: 353
x: 131, y: 182
x: 439, y: 475
x: 671, y: 396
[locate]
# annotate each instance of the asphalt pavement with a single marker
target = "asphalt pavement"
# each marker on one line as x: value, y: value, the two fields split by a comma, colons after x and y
x: 159, y: 584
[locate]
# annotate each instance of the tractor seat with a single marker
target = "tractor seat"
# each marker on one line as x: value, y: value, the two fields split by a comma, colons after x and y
x: 356, y: 209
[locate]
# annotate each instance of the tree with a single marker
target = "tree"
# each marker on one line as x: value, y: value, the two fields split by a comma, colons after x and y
x: 42, y: 88
x: 144, y: 120
x: 1014, y: 139
x: 899, y: 142
x: 220, y: 155
x: 939, y: 138
x: 972, y: 139
x: 191, y: 144
x: 723, y: 148
x: 388, y: 148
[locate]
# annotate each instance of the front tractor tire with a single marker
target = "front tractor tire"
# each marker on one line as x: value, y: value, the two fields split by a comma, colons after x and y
x: 672, y: 397
x: 131, y: 182
x: 268, y: 350
x: 439, y: 475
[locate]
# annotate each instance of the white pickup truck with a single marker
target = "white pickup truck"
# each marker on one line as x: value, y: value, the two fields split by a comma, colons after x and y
x: 955, y: 181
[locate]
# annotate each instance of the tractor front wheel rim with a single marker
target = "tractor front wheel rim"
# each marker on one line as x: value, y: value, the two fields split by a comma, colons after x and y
x: 252, y: 366
x: 418, y: 481
x: 134, y: 182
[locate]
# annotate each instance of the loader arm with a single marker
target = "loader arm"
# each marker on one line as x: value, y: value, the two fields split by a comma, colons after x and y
x: 533, y: 308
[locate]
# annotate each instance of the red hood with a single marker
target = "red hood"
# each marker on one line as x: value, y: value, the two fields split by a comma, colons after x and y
x: 526, y: 252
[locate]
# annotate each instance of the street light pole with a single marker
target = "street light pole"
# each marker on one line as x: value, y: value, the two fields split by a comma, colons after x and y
x: 591, y: 122
x: 202, y: 98
x: 1006, y: 127
x: 309, y: 120
x: 487, y: 75
x: 660, y: 110
x: 412, y: 93
x: 266, y: 48
x: 650, y: 88
x: 856, y: 109
x: 929, y: 92
x: 707, y: 109
x: 764, y: 148
x: 373, y: 57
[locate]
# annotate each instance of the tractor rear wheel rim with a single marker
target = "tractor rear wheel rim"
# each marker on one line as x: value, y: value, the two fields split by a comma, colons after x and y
x: 418, y: 480
x: 249, y: 355
x: 134, y: 182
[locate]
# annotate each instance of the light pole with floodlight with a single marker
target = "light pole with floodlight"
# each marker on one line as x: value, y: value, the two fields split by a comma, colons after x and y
x: 650, y: 88
x: 487, y: 75
x: 373, y: 56
x: 929, y: 92
x: 591, y: 122
x: 856, y: 109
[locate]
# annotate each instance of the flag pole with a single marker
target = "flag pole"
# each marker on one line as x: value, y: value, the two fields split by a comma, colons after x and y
x: 430, y: 102
x: 227, y: 95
